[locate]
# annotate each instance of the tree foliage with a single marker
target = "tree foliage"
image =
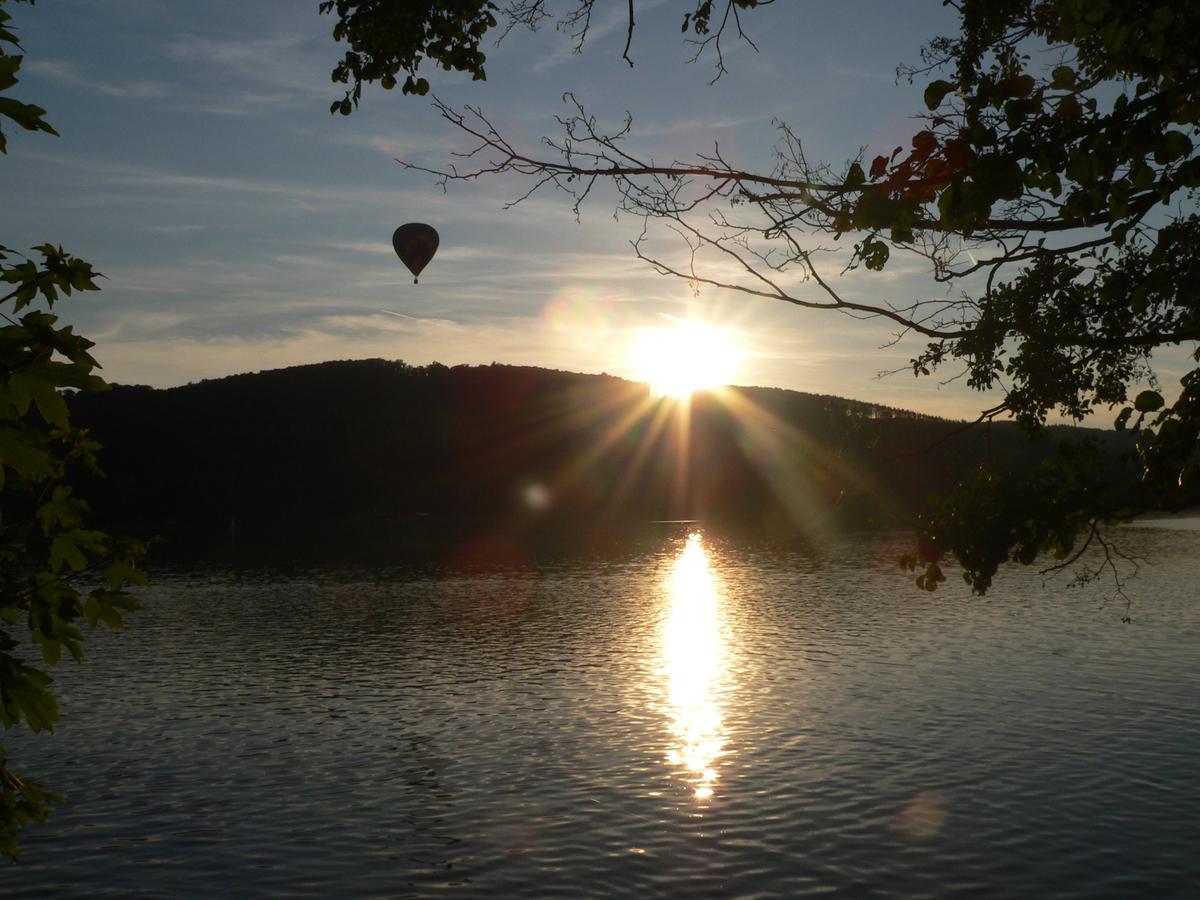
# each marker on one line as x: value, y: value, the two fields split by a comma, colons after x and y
x: 390, y: 38
x: 1050, y: 189
x: 56, y: 572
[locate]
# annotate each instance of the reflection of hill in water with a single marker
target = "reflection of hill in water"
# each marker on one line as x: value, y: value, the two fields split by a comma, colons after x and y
x: 353, y: 451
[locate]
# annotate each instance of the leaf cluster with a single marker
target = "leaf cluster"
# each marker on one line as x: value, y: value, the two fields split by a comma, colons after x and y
x: 996, y: 516
x: 56, y: 572
x: 25, y: 115
x: 388, y: 40
x: 1068, y: 171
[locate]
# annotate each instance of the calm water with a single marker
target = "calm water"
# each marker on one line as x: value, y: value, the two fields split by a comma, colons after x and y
x: 699, y: 720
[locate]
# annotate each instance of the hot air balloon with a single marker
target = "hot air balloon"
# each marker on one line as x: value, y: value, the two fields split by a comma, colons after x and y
x: 415, y: 244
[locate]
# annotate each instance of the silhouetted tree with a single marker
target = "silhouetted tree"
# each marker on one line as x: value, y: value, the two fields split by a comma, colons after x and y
x: 1052, y: 180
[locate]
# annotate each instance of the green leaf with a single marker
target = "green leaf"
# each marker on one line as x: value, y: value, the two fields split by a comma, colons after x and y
x: 935, y: 92
x: 26, y: 115
x: 8, y: 71
x: 60, y: 511
x: 874, y: 253
x: 51, y: 652
x: 1174, y: 145
x: 1018, y: 86
x: 22, y: 450
x: 1148, y: 401
x: 64, y: 550
x: 116, y: 599
x: 51, y: 404
x: 121, y: 572
x: 1063, y: 78
x: 1068, y: 108
x: 96, y: 609
x: 19, y: 392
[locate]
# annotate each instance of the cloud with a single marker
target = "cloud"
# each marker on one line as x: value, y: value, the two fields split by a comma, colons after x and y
x: 70, y: 74
x: 234, y: 76
x: 598, y: 30
x: 237, y: 103
x: 162, y: 185
x: 368, y: 248
x: 279, y: 61
x: 177, y: 228
x: 406, y: 145
x: 482, y: 206
x: 513, y: 340
x: 703, y: 125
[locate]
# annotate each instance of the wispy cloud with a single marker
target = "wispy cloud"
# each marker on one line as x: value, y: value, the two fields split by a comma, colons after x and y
x: 236, y: 103
x: 108, y: 173
x: 405, y: 145
x: 278, y: 61
x: 232, y: 76
x: 70, y: 74
x: 705, y: 125
x: 520, y: 341
x: 616, y: 20
x: 177, y: 228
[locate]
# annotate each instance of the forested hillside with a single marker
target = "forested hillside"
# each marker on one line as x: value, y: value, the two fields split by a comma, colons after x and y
x: 378, y: 447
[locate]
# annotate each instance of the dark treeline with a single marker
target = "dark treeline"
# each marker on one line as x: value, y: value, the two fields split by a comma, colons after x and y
x: 372, y: 447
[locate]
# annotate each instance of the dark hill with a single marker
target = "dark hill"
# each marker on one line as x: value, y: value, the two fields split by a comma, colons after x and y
x: 372, y: 446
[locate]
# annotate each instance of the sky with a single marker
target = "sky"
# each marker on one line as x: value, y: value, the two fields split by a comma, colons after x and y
x: 241, y: 227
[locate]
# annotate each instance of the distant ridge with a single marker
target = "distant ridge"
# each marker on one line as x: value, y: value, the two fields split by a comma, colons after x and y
x: 375, y: 446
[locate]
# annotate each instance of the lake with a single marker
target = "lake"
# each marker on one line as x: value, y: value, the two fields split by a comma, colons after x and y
x: 688, y: 718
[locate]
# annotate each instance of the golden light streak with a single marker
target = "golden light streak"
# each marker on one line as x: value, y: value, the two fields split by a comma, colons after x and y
x: 800, y: 471
x: 693, y: 659
x: 659, y: 416
x: 681, y: 479
x: 785, y: 457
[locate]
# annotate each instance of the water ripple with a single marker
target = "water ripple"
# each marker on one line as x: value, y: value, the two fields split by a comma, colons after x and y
x: 777, y: 726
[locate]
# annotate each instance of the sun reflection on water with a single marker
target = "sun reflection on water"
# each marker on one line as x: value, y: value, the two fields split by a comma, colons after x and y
x: 693, y: 650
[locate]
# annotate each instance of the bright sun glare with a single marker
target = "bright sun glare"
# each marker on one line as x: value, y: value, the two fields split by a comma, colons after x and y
x: 684, y: 358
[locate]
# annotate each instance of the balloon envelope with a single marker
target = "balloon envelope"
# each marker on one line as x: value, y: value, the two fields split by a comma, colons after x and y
x: 415, y: 244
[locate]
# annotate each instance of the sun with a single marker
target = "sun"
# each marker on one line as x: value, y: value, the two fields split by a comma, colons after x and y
x: 684, y: 358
